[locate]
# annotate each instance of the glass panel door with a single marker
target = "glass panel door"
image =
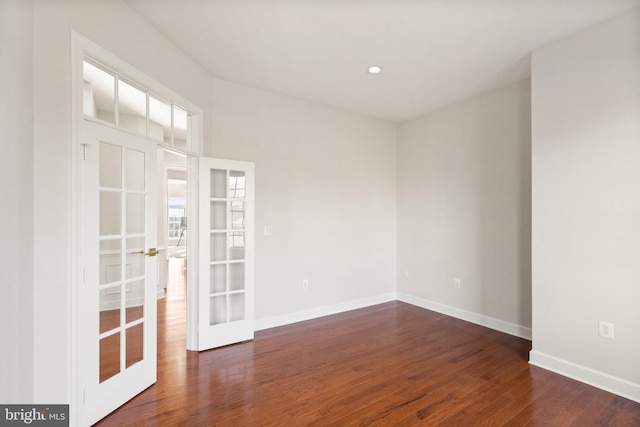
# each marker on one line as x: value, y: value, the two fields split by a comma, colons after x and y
x: 226, y: 253
x: 118, y: 314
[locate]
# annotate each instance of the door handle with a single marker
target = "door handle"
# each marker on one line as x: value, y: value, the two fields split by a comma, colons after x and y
x: 152, y: 252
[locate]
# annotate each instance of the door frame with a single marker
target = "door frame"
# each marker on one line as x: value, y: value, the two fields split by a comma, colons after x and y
x: 81, y: 47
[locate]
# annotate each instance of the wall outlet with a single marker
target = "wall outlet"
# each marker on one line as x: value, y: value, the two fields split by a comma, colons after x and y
x: 457, y: 283
x: 605, y: 329
x: 405, y: 274
x: 268, y: 230
x: 305, y: 284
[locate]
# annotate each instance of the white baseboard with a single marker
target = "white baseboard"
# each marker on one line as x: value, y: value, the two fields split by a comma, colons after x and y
x: 478, y: 319
x: 327, y: 310
x: 586, y: 375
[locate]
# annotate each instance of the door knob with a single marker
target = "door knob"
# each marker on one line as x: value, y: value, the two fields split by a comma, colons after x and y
x: 152, y: 252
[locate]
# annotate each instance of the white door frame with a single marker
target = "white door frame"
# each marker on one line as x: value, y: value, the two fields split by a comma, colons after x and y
x: 81, y: 47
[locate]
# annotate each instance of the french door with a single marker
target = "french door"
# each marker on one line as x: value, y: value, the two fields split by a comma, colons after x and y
x: 117, y: 327
x: 117, y: 296
x: 225, y: 280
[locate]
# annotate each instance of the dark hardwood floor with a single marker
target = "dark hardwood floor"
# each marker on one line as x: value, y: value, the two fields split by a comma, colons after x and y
x: 386, y: 365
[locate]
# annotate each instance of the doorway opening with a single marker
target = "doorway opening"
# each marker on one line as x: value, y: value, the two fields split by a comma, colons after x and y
x: 174, y: 225
x: 125, y: 126
x: 152, y: 216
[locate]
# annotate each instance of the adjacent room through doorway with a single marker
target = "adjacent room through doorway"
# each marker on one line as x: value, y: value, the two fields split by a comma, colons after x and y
x: 173, y: 225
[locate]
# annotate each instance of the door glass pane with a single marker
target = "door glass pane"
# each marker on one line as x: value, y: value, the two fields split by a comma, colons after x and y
x: 159, y: 119
x: 218, y: 183
x: 110, y: 165
x: 135, y: 261
x: 132, y: 108
x: 181, y: 128
x: 236, y: 245
x: 134, y: 167
x: 218, y: 310
x: 236, y: 185
x: 109, y: 308
x: 110, y: 259
x: 110, y: 213
x: 135, y: 213
x: 218, y: 213
x: 135, y: 300
x: 218, y: 247
x: 98, y: 93
x: 237, y: 211
x: 218, y: 278
x: 109, y: 356
x: 236, y: 307
x: 135, y: 348
x: 236, y: 276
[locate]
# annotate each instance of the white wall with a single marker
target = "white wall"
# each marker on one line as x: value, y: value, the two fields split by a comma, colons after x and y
x: 325, y: 181
x: 114, y: 26
x: 464, y: 209
x: 586, y: 204
x: 16, y: 180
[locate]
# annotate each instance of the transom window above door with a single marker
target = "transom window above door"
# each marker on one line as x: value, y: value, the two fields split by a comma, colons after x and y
x: 110, y: 97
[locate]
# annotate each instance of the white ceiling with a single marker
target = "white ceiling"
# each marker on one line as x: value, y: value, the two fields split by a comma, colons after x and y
x: 433, y: 52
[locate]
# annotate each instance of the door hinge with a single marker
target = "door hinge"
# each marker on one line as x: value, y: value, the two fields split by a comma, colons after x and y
x: 84, y: 396
x: 85, y: 147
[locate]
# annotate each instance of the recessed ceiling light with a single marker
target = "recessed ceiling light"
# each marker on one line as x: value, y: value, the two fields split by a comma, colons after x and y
x: 374, y: 69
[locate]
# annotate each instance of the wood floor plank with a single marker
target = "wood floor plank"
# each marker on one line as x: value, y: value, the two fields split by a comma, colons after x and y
x: 386, y: 365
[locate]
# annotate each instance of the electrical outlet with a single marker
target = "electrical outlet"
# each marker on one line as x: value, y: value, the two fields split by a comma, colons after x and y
x: 605, y: 329
x: 406, y: 274
x: 268, y: 230
x: 457, y: 283
x: 305, y: 284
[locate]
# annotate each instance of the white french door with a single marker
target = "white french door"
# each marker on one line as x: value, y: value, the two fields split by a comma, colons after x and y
x: 225, y: 280
x: 117, y: 299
